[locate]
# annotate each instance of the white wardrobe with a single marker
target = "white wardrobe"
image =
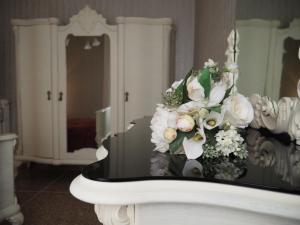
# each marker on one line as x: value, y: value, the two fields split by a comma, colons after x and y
x: 262, y: 48
x: 137, y: 66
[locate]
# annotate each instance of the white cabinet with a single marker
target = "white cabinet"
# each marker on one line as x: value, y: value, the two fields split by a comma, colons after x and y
x: 136, y: 59
x: 263, y: 48
x: 145, y: 44
x: 34, y: 82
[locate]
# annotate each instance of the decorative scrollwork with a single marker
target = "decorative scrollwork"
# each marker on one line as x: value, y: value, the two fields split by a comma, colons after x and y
x: 115, y: 214
x: 280, y: 117
x: 87, y: 19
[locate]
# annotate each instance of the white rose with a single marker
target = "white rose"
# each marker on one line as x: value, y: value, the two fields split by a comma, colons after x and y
x: 195, y: 90
x: 185, y: 123
x: 170, y: 134
x: 239, y: 111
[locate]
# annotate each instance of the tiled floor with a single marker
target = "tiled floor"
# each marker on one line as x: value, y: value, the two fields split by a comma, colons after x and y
x: 43, y: 193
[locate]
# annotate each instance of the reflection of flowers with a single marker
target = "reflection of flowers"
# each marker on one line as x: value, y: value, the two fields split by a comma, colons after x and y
x: 294, y: 158
x: 269, y: 152
x: 192, y: 168
x: 159, y: 164
x: 227, y: 170
x: 261, y: 151
x: 222, y: 168
x: 264, y: 155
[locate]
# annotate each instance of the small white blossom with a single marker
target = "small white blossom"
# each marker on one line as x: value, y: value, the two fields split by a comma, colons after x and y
x: 229, y: 141
x: 210, y: 63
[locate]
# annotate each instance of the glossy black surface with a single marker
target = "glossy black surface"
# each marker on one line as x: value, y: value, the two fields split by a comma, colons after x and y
x: 273, y: 162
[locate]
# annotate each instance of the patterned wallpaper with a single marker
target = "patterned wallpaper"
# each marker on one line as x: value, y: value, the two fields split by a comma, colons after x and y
x: 214, y: 19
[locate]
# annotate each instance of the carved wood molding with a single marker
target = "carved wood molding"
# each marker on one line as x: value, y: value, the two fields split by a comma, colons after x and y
x: 232, y: 50
x: 87, y: 19
x: 115, y: 214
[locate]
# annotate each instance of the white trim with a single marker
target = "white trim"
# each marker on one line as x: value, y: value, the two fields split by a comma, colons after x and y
x: 86, y: 23
x: 9, y: 211
x: 101, y: 153
x: 157, y: 191
x: 32, y: 22
x: 258, y: 23
x: 276, y: 52
x: 143, y: 20
x: 8, y: 137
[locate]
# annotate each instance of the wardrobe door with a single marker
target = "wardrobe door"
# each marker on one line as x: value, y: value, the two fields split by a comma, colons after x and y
x: 146, y: 64
x: 33, y: 52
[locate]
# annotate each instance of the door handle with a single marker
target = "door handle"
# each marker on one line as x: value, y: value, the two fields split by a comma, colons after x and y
x: 60, y: 96
x: 48, y: 95
x: 126, y: 96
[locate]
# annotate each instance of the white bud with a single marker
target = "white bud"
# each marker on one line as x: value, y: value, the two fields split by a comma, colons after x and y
x: 185, y: 123
x: 170, y: 134
x: 203, y: 113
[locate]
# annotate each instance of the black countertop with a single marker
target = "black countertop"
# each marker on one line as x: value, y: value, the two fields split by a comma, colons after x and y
x: 273, y: 162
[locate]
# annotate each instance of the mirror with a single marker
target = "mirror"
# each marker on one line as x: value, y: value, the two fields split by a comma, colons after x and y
x: 88, y: 89
x: 269, y: 40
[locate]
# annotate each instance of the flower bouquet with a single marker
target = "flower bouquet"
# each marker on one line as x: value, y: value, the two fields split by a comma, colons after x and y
x: 203, y: 115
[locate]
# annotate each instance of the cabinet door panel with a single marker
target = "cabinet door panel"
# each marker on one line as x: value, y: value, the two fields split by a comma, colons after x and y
x: 35, y: 91
x: 146, y: 63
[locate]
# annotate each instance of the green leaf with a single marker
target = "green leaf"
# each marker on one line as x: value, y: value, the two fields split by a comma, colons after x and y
x: 204, y: 80
x: 179, y: 139
x: 228, y: 92
x: 216, y: 109
x: 185, y: 92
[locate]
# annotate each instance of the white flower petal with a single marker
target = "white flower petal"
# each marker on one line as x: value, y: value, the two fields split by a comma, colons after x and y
x: 193, y: 149
x: 239, y: 111
x: 176, y: 84
x: 190, y: 106
x: 217, y: 94
x: 213, y: 116
x: 195, y: 90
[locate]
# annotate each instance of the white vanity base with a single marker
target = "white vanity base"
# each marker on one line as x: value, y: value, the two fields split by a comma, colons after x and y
x: 9, y: 207
x: 179, y: 214
x: 12, y: 214
x: 170, y: 202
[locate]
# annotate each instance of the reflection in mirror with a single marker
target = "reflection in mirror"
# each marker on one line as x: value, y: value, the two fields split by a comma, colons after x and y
x: 268, y: 60
x: 88, y: 91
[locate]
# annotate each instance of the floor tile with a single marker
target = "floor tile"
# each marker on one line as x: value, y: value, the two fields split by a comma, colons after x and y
x: 62, y: 184
x: 5, y: 223
x: 36, y: 177
x: 58, y: 209
x: 24, y: 197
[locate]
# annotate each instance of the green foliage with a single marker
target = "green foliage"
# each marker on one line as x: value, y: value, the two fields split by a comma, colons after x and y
x: 185, y: 97
x: 227, y: 93
x: 204, y: 77
x: 172, y: 98
x: 179, y: 139
x: 216, y: 109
